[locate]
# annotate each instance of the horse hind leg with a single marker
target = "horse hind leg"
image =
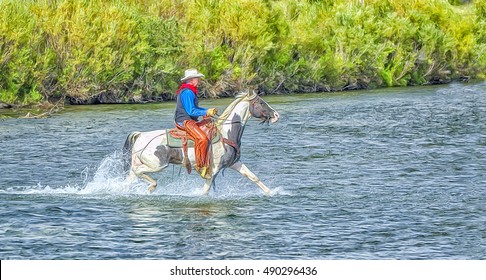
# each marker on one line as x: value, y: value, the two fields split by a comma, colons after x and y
x: 151, y: 181
x: 163, y: 155
x: 142, y: 171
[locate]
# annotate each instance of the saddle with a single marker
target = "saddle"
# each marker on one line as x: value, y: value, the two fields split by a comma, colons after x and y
x: 178, y: 138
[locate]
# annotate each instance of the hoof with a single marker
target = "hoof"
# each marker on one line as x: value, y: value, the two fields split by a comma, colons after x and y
x: 152, y: 189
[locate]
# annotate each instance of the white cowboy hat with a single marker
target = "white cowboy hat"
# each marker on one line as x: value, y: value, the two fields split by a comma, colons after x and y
x: 191, y: 73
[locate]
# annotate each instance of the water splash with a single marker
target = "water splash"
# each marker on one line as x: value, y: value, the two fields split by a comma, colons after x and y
x: 108, y: 179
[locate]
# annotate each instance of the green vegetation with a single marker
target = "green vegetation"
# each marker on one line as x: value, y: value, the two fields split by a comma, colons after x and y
x: 90, y: 51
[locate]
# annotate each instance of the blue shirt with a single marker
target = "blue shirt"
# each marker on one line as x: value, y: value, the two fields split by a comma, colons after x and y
x: 190, y: 104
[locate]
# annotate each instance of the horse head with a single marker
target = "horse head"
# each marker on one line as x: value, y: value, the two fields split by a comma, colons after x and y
x: 248, y: 105
x: 261, y: 110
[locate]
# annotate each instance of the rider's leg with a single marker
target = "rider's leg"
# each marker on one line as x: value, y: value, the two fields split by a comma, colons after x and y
x: 200, y: 147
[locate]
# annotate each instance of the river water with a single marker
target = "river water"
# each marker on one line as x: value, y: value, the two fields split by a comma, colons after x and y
x: 384, y: 174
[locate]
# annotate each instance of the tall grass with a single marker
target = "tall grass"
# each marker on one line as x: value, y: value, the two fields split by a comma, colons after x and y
x: 89, y: 51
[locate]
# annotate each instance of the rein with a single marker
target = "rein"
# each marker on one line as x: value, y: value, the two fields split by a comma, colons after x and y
x: 252, y: 101
x: 225, y: 120
x: 145, y: 147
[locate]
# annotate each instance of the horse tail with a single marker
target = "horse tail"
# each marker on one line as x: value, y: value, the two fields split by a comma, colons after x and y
x: 127, y: 150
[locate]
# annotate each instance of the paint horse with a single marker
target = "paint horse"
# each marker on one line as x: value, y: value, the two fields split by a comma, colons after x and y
x: 149, y: 152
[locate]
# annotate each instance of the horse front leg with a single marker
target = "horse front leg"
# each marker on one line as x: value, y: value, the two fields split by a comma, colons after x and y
x: 240, y: 167
x: 207, y: 186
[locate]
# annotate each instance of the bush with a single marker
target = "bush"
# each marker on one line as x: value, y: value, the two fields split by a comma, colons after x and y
x: 88, y: 51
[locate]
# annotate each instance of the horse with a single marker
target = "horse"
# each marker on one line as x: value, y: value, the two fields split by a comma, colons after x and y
x: 149, y: 152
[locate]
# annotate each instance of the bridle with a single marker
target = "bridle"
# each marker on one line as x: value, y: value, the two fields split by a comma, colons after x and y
x: 262, y: 113
x: 253, y: 100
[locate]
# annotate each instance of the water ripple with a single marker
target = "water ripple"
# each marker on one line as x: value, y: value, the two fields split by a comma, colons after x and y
x: 388, y: 174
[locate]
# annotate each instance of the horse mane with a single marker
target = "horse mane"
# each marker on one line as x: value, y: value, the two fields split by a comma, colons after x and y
x: 238, y: 98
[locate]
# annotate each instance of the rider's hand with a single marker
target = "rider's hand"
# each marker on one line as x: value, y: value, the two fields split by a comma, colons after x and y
x: 211, y: 112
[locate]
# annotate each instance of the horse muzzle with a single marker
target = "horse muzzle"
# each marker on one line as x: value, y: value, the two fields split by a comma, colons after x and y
x: 275, y: 117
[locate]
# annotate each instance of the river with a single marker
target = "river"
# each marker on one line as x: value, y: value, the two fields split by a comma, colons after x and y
x: 382, y: 174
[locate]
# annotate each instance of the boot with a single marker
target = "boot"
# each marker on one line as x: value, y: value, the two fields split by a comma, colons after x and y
x: 205, y: 172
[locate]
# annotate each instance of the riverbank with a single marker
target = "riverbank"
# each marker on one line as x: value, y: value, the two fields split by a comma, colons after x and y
x: 91, y: 52
x: 47, y: 109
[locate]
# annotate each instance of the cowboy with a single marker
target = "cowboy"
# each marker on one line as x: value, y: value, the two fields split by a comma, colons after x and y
x: 186, y: 118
